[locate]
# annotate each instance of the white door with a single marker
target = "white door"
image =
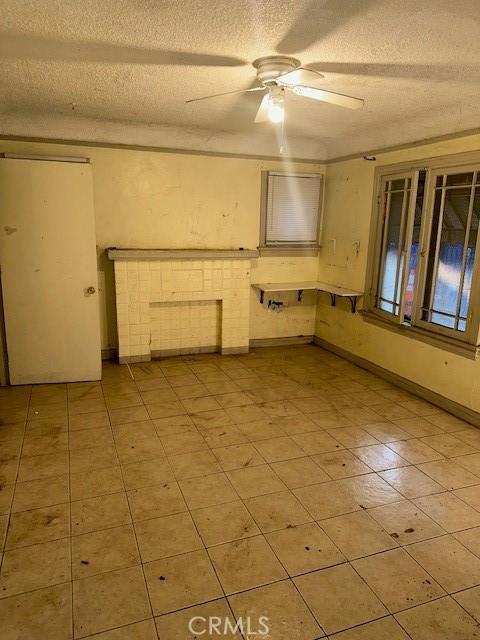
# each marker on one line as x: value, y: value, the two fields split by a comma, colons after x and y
x: 49, y: 271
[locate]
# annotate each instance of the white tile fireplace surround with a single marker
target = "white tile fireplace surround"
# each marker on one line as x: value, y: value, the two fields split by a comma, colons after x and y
x: 171, y: 302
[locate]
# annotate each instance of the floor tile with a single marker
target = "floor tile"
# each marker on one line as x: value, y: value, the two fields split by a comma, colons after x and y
x: 304, y: 548
x: 194, y: 465
x: 358, y: 534
x: 287, y: 616
x: 470, y: 538
x: 139, y: 450
x: 470, y: 495
x: 247, y: 413
x: 237, y: 456
x: 41, y: 614
x: 38, y: 525
x: 183, y: 443
x: 387, y: 432
x: 129, y: 414
x: 406, y: 522
x: 34, y: 567
x: 339, y: 598
x: 442, y: 619
x: 34, y: 494
x: 448, y: 445
x: 276, y: 449
x: 83, y: 438
x: 470, y: 601
x: 207, y: 491
x: 153, y: 502
x: 43, y: 466
x: 299, y: 472
x: 92, y: 458
x: 176, y: 625
x: 411, y: 482
x: 341, y: 464
x: 181, y: 581
x: 102, y: 512
x: 315, y: 442
x: 245, y: 564
x: 383, y: 629
x: 379, y: 457
x: 109, y: 600
x: 224, y: 523
x: 449, y: 474
x: 452, y: 565
x: 353, y: 437
x: 369, y: 490
x: 167, y: 536
x: 93, y: 420
x: 470, y: 462
x: 172, y: 425
x: 450, y: 512
x: 326, y: 500
x: 102, y: 551
x: 216, y: 437
x: 144, y: 630
x: 146, y: 473
x: 90, y: 484
x: 255, y: 481
x: 397, y: 579
x: 415, y: 451
x: 277, y: 511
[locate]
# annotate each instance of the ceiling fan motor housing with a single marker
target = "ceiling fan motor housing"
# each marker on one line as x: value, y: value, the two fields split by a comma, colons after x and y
x: 271, y: 67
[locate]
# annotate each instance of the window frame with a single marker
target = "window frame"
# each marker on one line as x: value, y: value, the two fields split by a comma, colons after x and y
x: 464, y: 343
x: 298, y: 248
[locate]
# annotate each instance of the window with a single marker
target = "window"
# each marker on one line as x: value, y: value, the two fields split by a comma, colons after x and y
x: 426, y: 270
x: 290, y: 216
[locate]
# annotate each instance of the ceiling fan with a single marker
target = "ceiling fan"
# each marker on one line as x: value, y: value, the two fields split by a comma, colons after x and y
x: 279, y: 75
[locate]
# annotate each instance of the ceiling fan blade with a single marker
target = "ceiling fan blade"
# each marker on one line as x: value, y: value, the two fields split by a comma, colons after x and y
x: 262, y: 113
x: 22, y: 46
x: 319, y: 19
x: 226, y: 93
x: 328, y: 96
x: 301, y: 75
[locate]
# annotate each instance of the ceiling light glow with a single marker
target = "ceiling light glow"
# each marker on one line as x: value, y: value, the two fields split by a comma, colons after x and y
x: 276, y: 107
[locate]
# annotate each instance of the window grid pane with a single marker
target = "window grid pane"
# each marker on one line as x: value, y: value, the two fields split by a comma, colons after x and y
x: 396, y: 200
x: 452, y: 249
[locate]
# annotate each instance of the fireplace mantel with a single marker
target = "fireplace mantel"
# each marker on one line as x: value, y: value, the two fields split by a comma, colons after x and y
x: 181, y: 254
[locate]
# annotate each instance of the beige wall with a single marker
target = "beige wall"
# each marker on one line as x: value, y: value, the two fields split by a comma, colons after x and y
x: 164, y: 200
x: 348, y: 208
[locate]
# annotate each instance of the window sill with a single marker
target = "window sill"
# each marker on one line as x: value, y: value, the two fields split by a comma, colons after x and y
x: 302, y: 252
x: 441, y: 342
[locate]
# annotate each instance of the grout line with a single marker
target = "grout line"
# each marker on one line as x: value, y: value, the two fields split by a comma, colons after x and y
x: 147, y: 592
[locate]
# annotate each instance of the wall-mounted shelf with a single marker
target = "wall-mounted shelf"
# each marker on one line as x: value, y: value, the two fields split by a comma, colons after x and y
x: 300, y: 287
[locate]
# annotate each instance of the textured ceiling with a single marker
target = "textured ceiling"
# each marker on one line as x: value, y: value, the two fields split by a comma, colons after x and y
x: 121, y: 71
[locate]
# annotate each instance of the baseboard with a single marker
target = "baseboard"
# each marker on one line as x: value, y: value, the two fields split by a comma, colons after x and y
x: 133, y: 359
x: 233, y: 351
x: 455, y: 408
x: 183, y: 351
x: 280, y: 342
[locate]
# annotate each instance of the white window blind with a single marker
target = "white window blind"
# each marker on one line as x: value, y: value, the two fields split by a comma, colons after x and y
x: 292, y: 208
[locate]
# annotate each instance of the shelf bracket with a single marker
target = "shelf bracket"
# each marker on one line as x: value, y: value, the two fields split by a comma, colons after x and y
x: 300, y: 294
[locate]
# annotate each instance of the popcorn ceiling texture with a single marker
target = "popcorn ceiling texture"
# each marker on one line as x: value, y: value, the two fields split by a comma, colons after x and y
x: 121, y: 72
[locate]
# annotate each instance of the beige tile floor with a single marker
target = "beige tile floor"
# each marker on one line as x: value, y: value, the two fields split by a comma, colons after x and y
x: 286, y: 483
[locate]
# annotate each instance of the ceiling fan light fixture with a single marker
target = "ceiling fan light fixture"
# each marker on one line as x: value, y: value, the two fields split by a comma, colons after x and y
x: 276, y: 106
